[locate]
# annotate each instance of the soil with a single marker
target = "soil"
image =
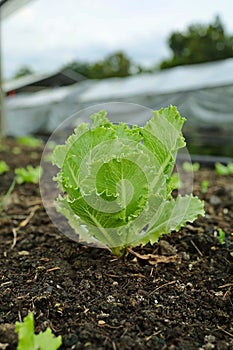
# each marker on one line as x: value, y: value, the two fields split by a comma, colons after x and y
x: 181, y: 297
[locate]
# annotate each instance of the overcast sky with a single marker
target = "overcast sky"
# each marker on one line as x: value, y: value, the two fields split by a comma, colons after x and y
x: 46, y: 34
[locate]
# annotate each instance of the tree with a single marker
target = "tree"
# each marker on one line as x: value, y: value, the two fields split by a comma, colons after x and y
x: 23, y: 71
x: 200, y: 43
x: 114, y: 65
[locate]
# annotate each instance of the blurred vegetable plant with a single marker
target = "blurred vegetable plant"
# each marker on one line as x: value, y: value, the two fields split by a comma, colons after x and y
x: 191, y: 167
x: 27, y: 340
x: 28, y: 174
x: 3, y: 167
x: 224, y: 169
x: 29, y: 141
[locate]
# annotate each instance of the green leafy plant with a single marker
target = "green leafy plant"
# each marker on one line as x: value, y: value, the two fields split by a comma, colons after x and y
x: 191, y: 167
x: 204, y: 186
x: 4, y: 168
x: 28, y: 174
x: 29, y: 141
x: 27, y: 340
x: 224, y: 169
x: 116, y: 181
x: 220, y: 235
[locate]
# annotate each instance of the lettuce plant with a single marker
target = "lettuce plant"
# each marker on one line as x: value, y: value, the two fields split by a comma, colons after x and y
x: 191, y: 167
x: 3, y: 167
x: 27, y: 340
x: 29, y: 141
x: 116, y: 181
x: 224, y: 169
x: 28, y: 174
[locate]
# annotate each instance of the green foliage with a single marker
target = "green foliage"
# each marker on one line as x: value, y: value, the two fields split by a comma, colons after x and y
x: 220, y: 235
x: 191, y: 167
x: 204, y: 186
x: 114, y: 65
x: 22, y: 72
x: 28, y: 174
x: 116, y: 181
x: 3, y: 167
x: 27, y: 340
x: 224, y: 169
x: 199, y: 43
x: 29, y: 141
x: 173, y: 183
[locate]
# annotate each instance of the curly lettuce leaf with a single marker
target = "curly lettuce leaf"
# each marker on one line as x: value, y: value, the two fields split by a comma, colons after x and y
x: 117, y: 180
x: 27, y: 340
x: 172, y: 215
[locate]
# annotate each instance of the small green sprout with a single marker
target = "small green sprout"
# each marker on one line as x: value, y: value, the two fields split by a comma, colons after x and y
x: 28, y: 174
x: 220, y: 235
x: 29, y: 141
x: 3, y: 167
x: 27, y: 340
x: 191, y: 167
x: 204, y: 186
x: 224, y: 169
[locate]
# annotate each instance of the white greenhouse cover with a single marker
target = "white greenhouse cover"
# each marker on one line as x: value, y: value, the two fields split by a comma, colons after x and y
x: 203, y: 94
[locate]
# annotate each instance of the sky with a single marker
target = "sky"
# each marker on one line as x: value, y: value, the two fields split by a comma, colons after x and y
x: 46, y: 34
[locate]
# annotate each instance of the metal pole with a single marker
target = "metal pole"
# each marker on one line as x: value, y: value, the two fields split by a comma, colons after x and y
x: 2, y: 97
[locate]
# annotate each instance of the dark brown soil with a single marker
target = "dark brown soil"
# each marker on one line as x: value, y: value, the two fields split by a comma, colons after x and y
x: 95, y: 301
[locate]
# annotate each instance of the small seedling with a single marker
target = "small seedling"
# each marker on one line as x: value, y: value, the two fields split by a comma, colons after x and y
x: 116, y: 181
x: 191, y: 167
x: 27, y: 340
x: 28, y: 174
x: 204, y: 186
x: 29, y: 141
x: 224, y: 169
x: 220, y: 235
x: 3, y: 167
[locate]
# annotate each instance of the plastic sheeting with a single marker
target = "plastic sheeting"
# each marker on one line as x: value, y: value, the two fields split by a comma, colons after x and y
x: 203, y: 94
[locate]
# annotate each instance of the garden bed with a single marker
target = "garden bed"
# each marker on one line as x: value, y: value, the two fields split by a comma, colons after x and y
x: 180, y: 297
